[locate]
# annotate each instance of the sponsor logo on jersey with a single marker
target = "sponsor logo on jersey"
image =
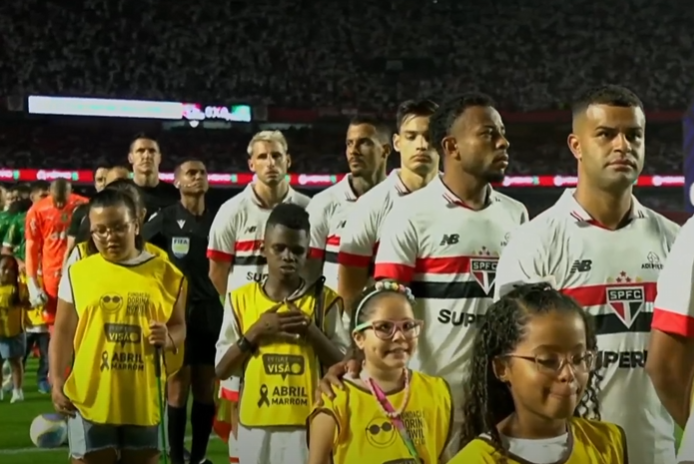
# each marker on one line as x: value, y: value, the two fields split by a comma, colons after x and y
x: 652, y: 262
x: 483, y: 269
x: 626, y: 297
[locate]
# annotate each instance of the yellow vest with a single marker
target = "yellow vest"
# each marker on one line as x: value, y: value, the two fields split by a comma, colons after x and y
x: 364, y: 430
x: 113, y: 375
x: 593, y: 442
x: 33, y: 317
x: 11, y: 312
x: 280, y: 377
x: 82, y: 251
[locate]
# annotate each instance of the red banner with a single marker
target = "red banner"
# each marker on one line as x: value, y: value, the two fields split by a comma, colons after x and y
x: 310, y: 180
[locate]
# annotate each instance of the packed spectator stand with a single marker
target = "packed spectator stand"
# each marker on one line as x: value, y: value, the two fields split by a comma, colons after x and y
x: 531, y: 56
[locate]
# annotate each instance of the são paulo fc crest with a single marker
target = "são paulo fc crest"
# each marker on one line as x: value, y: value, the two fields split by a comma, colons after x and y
x: 626, y: 298
x: 483, y: 269
x: 180, y: 246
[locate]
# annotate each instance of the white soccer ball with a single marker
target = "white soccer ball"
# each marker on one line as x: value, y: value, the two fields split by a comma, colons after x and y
x: 49, y: 431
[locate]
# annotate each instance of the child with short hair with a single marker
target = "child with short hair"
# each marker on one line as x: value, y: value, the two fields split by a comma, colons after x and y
x: 13, y: 301
x: 278, y: 333
x: 388, y: 413
x: 532, y: 384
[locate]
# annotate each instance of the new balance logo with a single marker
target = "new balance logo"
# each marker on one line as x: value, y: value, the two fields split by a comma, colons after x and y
x: 250, y: 230
x: 581, y: 265
x: 450, y: 239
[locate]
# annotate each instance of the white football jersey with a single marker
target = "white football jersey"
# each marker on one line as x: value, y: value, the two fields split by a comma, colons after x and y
x: 328, y: 211
x: 359, y: 238
x: 613, y: 274
x: 674, y: 308
x: 237, y: 232
x: 447, y: 253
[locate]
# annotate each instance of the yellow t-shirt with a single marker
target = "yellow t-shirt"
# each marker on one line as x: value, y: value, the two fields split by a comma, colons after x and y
x: 364, y: 431
x: 113, y: 376
x: 82, y: 251
x: 280, y: 377
x: 589, y: 442
x: 12, y: 308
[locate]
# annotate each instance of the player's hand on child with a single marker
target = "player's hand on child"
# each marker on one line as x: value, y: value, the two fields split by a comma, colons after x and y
x: 158, y: 334
x: 333, y: 377
x: 61, y: 403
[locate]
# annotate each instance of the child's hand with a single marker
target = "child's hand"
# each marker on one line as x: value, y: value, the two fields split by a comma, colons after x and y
x: 158, y: 334
x: 301, y: 329
x: 287, y: 325
x: 61, y: 403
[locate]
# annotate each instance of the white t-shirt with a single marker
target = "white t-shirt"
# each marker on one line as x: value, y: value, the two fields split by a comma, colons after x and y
x: 674, y: 308
x: 359, y: 238
x: 613, y: 275
x: 447, y: 253
x: 328, y: 211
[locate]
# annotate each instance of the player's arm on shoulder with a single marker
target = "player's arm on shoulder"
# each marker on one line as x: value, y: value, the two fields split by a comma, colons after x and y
x: 318, y: 215
x: 324, y: 432
x: 334, y: 328
x: 357, y: 242
x: 229, y: 357
x: 670, y: 362
x: 398, y: 248
x: 522, y: 260
x: 60, y: 350
x: 220, y: 249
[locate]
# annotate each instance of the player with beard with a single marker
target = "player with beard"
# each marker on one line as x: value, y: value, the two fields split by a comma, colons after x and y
x: 367, y: 151
x: 145, y: 158
x: 600, y: 246
x: 419, y: 164
x: 236, y: 235
x: 182, y: 230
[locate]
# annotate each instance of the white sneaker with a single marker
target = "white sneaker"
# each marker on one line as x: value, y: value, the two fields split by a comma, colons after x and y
x: 6, y: 377
x: 17, y: 395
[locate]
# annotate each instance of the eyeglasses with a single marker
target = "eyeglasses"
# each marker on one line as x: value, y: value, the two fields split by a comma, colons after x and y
x: 102, y: 233
x: 554, y: 363
x: 385, y: 330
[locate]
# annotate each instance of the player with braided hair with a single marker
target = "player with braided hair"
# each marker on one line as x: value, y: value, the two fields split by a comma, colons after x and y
x: 532, y: 385
x: 386, y: 412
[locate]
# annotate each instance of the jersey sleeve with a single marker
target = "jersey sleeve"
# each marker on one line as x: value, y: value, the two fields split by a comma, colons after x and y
x: 359, y: 237
x: 674, y: 303
x: 522, y: 260
x: 13, y: 236
x: 229, y: 334
x: 34, y: 241
x: 153, y: 227
x: 398, y: 248
x: 334, y: 328
x: 222, y: 235
x: 317, y: 212
x: 65, y: 287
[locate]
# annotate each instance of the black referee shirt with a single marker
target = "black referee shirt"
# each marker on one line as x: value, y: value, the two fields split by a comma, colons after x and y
x: 185, y: 237
x: 159, y: 197
x: 78, y: 228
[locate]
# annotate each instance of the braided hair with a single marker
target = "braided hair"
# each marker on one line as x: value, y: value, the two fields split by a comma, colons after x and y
x: 488, y: 400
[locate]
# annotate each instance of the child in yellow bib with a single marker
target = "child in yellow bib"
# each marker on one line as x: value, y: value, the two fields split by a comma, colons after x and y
x: 117, y: 309
x: 532, y: 382
x: 388, y: 414
x: 13, y: 301
x: 275, y: 335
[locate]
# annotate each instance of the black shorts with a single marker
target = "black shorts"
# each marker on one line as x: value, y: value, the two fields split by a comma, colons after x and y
x: 200, y: 347
x: 204, y: 322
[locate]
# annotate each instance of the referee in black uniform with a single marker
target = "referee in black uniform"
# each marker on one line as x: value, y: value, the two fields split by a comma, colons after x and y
x: 182, y: 230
